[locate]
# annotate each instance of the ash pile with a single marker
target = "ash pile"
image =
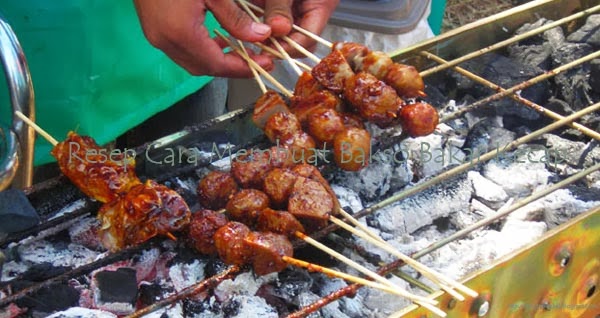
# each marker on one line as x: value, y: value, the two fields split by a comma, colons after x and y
x: 412, y: 224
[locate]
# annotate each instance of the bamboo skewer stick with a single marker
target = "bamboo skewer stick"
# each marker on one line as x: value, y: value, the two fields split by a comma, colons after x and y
x: 438, y: 278
x: 286, y: 56
x: 259, y: 81
x: 278, y: 55
x: 37, y: 128
x: 422, y: 301
x: 295, y: 27
x: 304, y: 51
x: 253, y: 64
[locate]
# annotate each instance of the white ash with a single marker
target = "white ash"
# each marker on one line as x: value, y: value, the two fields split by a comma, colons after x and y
x: 71, y: 255
x: 253, y: 306
x: 173, y: 311
x: 347, y: 198
x: 185, y: 275
x: 382, y: 304
x: 517, y: 178
x: 47, y: 232
x: 371, y: 182
x: 554, y: 209
x: 84, y: 232
x: 423, y: 152
x: 486, y: 189
x: 413, y: 213
x: 306, y: 298
x: 81, y: 312
x: 69, y: 208
x: 243, y: 284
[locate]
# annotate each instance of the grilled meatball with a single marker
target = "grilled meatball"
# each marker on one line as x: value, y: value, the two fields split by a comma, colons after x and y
x: 302, y: 106
x: 373, y: 99
x: 203, y: 226
x: 267, y: 105
x: 229, y: 241
x: 405, y: 79
x: 419, y: 119
x: 301, y: 147
x: 306, y: 85
x: 268, y: 249
x: 278, y: 185
x: 245, y: 205
x: 352, y: 148
x: 332, y: 71
x: 375, y: 62
x: 352, y: 120
x: 215, y: 189
x: 249, y: 169
x: 323, y: 124
x: 310, y: 203
x: 281, y: 222
x: 311, y: 172
x: 281, y: 156
x: 281, y: 126
x: 351, y: 51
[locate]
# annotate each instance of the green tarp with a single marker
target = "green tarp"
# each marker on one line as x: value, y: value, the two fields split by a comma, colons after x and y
x: 93, y: 71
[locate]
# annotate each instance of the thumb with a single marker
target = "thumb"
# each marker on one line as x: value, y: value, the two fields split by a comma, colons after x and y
x: 237, y: 22
x: 278, y: 14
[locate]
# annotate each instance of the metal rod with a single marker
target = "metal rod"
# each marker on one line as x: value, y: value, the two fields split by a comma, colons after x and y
x: 511, y: 40
x: 585, y: 130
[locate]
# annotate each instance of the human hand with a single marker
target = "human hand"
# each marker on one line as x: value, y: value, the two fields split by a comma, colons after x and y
x: 177, y: 28
x: 311, y: 15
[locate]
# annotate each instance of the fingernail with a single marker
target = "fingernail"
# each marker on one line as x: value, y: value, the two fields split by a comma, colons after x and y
x: 260, y: 28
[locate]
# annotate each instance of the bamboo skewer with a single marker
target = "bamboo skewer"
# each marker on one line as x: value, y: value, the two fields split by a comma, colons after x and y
x: 295, y: 27
x: 286, y: 56
x: 253, y: 64
x: 422, y: 301
x: 304, y: 51
x: 278, y: 55
x: 37, y: 128
x: 435, y: 277
x: 259, y: 81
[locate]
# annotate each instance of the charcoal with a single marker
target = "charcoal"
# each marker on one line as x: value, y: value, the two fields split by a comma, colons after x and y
x: 207, y: 308
x: 117, y: 291
x: 574, y: 153
x: 214, y: 266
x: 43, y: 271
x: 589, y: 33
x: 151, y: 293
x: 292, y: 282
x: 486, y: 190
x: 506, y: 73
x: 537, y: 55
x: 554, y: 36
x: 487, y: 136
x: 51, y: 298
x: 242, y: 306
x: 269, y: 294
x: 573, y: 84
x: 595, y: 75
x: 16, y: 212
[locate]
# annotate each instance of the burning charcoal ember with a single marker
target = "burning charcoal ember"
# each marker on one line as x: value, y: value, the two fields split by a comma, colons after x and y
x: 589, y: 33
x: 573, y: 85
x: 16, y: 212
x: 209, y: 308
x: 116, y: 291
x: 268, y: 293
x: 486, y: 190
x: 420, y: 210
x: 185, y: 275
x: 81, y: 312
x: 85, y: 233
x: 214, y: 266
